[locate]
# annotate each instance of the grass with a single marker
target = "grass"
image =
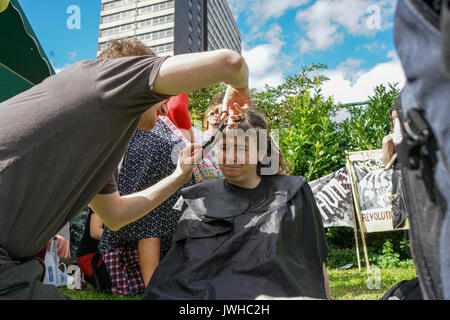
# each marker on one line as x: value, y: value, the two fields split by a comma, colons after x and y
x: 354, y: 285
x: 91, y: 294
x: 348, y: 284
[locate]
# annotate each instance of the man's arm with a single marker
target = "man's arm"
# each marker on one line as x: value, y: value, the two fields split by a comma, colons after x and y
x: 189, y: 72
x: 96, y: 227
x: 116, y: 211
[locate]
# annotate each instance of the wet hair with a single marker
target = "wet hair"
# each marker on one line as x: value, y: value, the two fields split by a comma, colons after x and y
x: 125, y: 48
x: 255, y: 119
x: 216, y: 100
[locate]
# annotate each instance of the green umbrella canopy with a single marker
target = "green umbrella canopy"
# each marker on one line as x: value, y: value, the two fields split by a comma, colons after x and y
x: 23, y: 62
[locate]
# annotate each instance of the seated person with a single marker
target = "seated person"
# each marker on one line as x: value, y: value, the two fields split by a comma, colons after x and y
x: 390, y: 141
x: 211, y: 117
x: 256, y: 232
x: 62, y: 249
x: 211, y: 122
x: 390, y: 160
x: 89, y: 259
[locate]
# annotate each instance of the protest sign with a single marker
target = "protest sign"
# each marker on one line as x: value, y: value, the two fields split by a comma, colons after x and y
x: 372, y: 190
x: 333, y: 194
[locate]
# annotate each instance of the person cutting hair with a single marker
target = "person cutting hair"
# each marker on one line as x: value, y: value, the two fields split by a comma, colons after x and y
x: 61, y: 141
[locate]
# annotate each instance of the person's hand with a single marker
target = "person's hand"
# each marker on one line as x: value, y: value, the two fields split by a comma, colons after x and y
x: 187, y: 159
x: 235, y: 103
x: 62, y: 247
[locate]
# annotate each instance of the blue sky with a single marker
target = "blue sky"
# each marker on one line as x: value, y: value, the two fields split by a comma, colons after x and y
x: 354, y: 38
x: 62, y: 45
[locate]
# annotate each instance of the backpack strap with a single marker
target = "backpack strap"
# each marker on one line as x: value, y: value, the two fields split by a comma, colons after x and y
x: 418, y: 146
x: 418, y: 140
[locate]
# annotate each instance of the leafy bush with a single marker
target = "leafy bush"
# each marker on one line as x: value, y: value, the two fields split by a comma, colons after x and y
x: 311, y: 141
x: 385, y: 250
x: 340, y: 257
x: 340, y: 237
x: 389, y: 257
x: 391, y: 254
x: 367, y: 125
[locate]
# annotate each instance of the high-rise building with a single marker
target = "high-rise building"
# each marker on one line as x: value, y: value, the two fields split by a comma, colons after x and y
x: 170, y: 27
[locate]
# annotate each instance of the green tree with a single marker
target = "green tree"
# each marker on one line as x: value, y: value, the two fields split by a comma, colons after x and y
x: 308, y: 136
x: 367, y: 125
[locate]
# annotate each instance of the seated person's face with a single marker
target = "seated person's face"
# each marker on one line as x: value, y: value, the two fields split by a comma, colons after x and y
x: 213, y: 117
x: 238, y: 158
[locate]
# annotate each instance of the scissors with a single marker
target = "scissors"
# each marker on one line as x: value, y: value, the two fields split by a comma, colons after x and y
x: 211, y: 142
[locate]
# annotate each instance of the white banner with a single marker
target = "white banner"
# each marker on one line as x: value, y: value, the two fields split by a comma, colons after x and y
x: 333, y: 194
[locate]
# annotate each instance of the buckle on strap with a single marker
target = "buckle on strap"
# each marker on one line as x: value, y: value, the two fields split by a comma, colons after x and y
x: 418, y: 141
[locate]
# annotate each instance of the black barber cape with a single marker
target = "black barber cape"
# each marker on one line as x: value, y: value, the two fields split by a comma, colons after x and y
x: 235, y: 243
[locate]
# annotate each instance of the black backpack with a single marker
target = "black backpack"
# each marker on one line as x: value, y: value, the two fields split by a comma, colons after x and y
x: 404, y: 290
x: 422, y: 38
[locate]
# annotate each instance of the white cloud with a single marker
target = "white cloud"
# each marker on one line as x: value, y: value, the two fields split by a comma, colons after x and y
x: 236, y: 7
x: 326, y: 21
x: 350, y: 69
x: 349, y: 83
x: 374, y: 47
x: 264, y: 60
x: 265, y: 9
x: 260, y: 11
x: 72, y: 55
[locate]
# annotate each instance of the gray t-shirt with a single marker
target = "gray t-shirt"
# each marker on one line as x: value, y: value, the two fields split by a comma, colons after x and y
x: 61, y: 141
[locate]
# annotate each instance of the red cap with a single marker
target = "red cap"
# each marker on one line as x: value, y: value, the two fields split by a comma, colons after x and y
x: 178, y: 113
